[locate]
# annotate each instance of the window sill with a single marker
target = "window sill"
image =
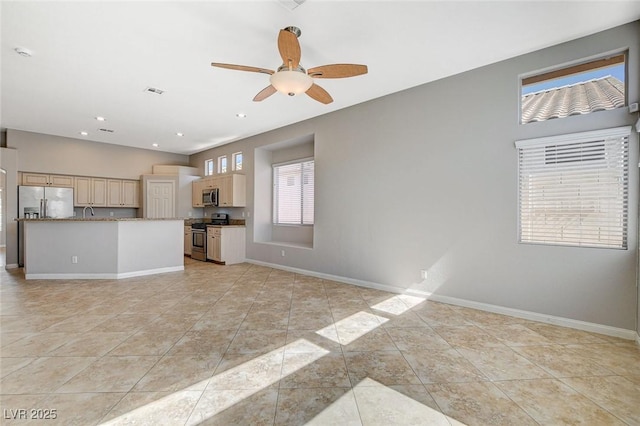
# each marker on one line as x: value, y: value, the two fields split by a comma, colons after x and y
x: 308, y: 246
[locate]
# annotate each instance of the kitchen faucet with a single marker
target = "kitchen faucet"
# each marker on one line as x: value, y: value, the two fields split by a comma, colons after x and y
x: 84, y: 211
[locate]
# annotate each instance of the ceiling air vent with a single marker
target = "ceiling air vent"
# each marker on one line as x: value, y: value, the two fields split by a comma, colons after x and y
x: 154, y: 90
x: 106, y: 130
x: 291, y: 4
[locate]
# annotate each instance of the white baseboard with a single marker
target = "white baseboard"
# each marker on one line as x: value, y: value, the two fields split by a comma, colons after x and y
x: 11, y: 266
x: 518, y: 313
x: 150, y: 272
x: 535, y: 316
x: 103, y: 276
x: 361, y: 283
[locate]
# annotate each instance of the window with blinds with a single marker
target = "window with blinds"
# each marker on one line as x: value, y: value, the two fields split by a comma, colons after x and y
x: 293, y: 188
x: 573, y: 189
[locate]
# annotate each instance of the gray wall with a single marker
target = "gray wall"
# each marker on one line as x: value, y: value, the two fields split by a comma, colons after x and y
x: 3, y: 191
x: 9, y: 163
x: 427, y: 179
x: 55, y: 154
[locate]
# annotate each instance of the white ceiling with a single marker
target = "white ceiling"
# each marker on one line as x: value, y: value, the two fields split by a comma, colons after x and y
x: 95, y: 58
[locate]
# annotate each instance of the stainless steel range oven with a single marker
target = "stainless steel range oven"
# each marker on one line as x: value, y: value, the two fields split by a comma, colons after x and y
x: 199, y: 241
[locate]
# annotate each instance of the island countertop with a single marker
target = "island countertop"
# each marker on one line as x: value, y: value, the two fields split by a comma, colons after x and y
x: 102, y: 248
x: 95, y: 219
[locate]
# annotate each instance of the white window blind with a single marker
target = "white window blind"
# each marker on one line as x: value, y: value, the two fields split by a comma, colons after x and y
x: 293, y: 189
x: 573, y: 189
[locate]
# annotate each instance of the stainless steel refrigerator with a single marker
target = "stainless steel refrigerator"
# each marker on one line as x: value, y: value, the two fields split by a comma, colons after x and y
x: 39, y: 202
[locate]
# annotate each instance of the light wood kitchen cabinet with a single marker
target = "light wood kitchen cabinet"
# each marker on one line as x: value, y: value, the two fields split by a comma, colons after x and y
x: 187, y: 240
x: 40, y: 179
x: 233, y: 189
x: 123, y: 193
x: 196, y: 193
x: 210, y: 183
x: 200, y: 185
x: 214, y: 241
x: 90, y: 192
x: 226, y: 244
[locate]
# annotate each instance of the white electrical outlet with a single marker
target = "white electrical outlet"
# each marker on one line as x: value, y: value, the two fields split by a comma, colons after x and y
x: 423, y: 274
x: 242, y: 214
x: 74, y: 259
x: 110, y: 213
x: 282, y: 253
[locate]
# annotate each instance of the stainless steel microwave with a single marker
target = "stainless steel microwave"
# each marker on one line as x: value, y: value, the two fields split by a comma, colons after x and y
x: 210, y: 197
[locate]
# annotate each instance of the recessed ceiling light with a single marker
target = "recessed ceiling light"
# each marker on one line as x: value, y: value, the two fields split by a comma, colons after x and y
x: 179, y: 134
x: 101, y: 118
x: 84, y: 133
x: 23, y: 52
x: 241, y: 115
x: 155, y: 145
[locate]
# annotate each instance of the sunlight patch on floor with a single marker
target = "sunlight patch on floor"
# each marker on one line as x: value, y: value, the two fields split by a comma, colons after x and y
x: 241, y: 381
x: 379, y: 404
x: 352, y: 327
x: 398, y: 305
x: 238, y: 383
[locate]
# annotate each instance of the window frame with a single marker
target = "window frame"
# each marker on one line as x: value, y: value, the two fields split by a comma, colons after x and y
x: 234, y: 161
x: 209, y: 167
x: 274, y: 201
x: 591, y: 63
x: 222, y: 169
x: 564, y: 169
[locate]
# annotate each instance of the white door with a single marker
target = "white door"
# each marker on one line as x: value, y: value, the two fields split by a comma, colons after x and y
x: 160, y: 199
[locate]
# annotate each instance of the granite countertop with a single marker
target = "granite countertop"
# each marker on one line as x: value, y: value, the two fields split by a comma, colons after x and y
x: 93, y: 219
x: 232, y: 222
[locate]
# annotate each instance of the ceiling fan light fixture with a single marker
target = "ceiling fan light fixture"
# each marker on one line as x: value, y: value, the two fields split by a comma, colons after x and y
x: 291, y: 82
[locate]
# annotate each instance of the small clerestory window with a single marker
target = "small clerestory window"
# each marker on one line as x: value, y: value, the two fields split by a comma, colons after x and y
x: 208, y: 167
x: 591, y: 86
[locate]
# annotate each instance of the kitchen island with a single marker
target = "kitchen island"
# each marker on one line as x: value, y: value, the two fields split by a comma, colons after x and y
x: 101, y: 248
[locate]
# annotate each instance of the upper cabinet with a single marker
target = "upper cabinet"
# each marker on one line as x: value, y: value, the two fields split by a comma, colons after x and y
x: 39, y: 179
x: 196, y: 193
x: 123, y: 193
x: 232, y: 190
x: 90, y: 192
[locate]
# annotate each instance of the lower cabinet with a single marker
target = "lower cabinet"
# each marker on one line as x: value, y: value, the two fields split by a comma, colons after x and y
x: 226, y: 244
x: 187, y: 240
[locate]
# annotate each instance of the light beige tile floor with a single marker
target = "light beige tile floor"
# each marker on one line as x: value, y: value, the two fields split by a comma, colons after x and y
x: 245, y: 345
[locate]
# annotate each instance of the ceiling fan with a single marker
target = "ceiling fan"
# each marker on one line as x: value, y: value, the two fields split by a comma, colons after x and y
x: 291, y: 78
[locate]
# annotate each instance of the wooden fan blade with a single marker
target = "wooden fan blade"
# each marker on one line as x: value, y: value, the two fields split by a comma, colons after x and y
x: 319, y: 94
x: 265, y: 93
x: 337, y: 71
x: 242, y: 68
x: 289, y: 48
